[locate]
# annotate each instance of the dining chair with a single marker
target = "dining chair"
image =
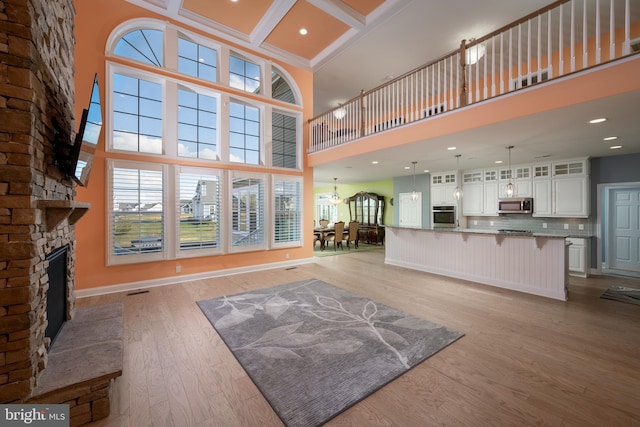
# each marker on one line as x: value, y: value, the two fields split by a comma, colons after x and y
x: 351, y: 234
x: 323, y: 223
x: 337, y: 236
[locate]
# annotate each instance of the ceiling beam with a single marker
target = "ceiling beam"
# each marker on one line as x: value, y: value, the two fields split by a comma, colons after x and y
x: 273, y: 16
x: 342, y: 12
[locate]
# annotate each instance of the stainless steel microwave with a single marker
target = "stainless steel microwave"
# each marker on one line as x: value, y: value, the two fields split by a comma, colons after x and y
x: 509, y: 205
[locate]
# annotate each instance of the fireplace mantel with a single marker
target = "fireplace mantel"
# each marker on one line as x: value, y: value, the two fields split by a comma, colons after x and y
x: 56, y: 211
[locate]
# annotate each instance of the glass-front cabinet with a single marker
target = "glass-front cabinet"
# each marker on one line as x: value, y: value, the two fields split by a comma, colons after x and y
x: 368, y: 210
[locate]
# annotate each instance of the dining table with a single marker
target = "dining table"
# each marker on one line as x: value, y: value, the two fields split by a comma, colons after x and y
x: 322, y: 233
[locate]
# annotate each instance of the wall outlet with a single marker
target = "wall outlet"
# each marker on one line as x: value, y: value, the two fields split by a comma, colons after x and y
x: 475, y: 222
x: 286, y: 255
x: 566, y: 226
x: 491, y: 223
x: 178, y: 268
x: 580, y: 226
x: 544, y: 225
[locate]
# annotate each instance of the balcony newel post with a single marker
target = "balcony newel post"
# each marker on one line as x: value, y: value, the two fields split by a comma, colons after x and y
x: 362, y: 121
x: 463, y: 68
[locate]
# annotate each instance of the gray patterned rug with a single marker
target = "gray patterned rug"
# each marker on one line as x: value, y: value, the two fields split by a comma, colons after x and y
x: 314, y: 349
x: 620, y: 293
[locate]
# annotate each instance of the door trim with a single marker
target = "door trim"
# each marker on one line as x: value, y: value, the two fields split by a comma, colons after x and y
x: 603, y: 194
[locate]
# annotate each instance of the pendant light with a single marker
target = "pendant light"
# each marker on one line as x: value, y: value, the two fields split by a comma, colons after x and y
x: 339, y: 112
x: 335, y: 197
x: 414, y: 193
x: 457, y: 192
x: 510, y: 189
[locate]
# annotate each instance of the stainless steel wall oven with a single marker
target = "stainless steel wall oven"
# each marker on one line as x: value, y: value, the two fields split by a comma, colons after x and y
x: 443, y: 216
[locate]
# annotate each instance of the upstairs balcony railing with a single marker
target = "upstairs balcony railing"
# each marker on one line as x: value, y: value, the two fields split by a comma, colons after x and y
x: 565, y: 37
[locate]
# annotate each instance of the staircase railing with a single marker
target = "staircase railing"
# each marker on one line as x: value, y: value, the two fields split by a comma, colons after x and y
x: 563, y: 38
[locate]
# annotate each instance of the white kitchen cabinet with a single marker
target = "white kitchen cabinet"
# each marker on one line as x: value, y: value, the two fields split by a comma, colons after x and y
x: 443, y: 185
x: 490, y: 199
x: 561, y: 189
x: 520, y: 177
x: 578, y: 256
x: 480, y: 193
x: 473, y: 199
x: 571, y: 197
x: 542, y: 197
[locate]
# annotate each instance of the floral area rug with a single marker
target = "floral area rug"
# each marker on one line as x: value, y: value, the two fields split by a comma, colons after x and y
x: 623, y: 294
x: 314, y: 349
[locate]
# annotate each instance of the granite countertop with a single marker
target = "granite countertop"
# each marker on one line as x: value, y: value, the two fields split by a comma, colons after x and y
x: 497, y: 232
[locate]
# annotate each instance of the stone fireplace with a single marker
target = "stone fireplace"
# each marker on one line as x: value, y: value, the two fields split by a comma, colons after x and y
x: 37, y: 210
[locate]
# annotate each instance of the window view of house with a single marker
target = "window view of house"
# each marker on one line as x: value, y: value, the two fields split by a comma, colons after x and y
x: 199, y: 211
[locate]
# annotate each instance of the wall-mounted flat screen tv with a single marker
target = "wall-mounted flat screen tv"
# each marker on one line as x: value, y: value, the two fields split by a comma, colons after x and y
x: 86, y: 141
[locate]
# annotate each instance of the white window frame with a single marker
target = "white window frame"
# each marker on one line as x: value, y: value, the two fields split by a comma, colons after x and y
x: 322, y: 199
x: 172, y: 127
x: 261, y: 138
x: 194, y: 38
x: 113, y: 69
x: 222, y: 220
x: 167, y: 214
x: 272, y: 211
x: 266, y: 216
x: 268, y: 136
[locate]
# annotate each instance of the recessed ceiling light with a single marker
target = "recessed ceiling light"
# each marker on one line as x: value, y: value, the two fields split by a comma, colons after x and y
x: 375, y: 162
x: 303, y: 31
x: 426, y: 170
x: 498, y: 162
x: 407, y: 167
x: 600, y: 120
x: 615, y: 147
x: 610, y: 138
x: 234, y: 1
x: 451, y: 148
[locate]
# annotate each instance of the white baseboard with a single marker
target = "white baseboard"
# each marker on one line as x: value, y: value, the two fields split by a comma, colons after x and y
x: 127, y: 287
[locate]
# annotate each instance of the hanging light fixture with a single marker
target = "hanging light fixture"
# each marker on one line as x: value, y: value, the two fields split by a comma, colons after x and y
x: 340, y: 112
x: 510, y: 189
x: 414, y: 193
x: 457, y: 192
x: 474, y: 53
x: 335, y: 199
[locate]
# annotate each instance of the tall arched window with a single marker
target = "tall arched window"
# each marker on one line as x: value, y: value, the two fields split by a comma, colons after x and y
x: 191, y: 129
x: 280, y: 88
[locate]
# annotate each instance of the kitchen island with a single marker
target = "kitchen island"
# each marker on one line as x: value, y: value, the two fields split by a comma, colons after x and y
x: 526, y: 262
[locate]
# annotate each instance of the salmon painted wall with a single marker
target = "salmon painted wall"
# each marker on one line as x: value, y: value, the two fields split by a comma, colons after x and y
x: 95, y: 20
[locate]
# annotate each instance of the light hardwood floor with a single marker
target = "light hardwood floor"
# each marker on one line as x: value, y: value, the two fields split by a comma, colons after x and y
x: 524, y: 360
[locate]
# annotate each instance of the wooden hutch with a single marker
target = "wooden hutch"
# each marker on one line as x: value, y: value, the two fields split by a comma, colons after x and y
x: 368, y: 210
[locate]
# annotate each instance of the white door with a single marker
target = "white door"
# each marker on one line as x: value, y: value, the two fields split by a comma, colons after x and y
x: 624, y: 229
x: 410, y: 211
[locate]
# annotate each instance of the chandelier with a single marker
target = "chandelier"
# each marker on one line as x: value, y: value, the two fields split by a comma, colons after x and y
x: 335, y: 199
